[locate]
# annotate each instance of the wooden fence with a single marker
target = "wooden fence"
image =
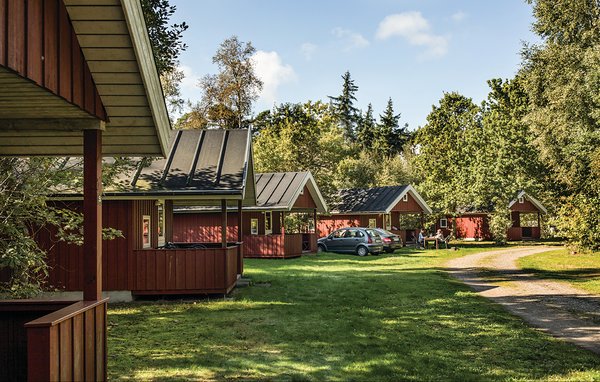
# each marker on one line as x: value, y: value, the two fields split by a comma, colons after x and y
x: 273, y: 246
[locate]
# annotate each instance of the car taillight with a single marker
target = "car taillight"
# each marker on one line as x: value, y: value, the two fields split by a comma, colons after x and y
x: 387, y: 240
x: 369, y: 239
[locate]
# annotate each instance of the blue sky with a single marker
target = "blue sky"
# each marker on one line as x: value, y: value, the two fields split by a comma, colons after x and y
x: 412, y: 51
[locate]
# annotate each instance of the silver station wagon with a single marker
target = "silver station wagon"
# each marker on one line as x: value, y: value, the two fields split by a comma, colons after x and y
x: 361, y: 241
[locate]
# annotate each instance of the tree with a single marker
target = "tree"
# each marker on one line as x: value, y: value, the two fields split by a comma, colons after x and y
x: 167, y: 43
x: 344, y: 109
x: 366, y: 129
x: 389, y: 137
x: 228, y: 96
x: 562, y: 80
x: 302, y: 137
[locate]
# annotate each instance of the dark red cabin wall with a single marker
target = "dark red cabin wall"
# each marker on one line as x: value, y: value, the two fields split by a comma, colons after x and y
x: 328, y: 224
x: 410, y: 205
x: 305, y: 200
x: 203, y: 227
x: 66, y: 260
x: 38, y: 42
x: 471, y: 226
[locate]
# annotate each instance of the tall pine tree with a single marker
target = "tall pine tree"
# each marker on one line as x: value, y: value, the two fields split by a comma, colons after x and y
x: 389, y: 137
x: 366, y: 129
x: 343, y: 107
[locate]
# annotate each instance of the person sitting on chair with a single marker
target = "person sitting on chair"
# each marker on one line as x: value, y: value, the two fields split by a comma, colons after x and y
x: 421, y: 238
x: 439, y: 235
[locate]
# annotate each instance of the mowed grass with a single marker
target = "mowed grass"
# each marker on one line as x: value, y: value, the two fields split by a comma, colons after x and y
x: 340, y: 318
x: 582, y: 270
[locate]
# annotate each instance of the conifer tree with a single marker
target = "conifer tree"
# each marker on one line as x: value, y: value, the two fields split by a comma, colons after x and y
x: 389, y: 137
x: 366, y: 129
x: 344, y: 109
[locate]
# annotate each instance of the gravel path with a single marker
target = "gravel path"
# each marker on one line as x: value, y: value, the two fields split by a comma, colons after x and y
x: 557, y: 308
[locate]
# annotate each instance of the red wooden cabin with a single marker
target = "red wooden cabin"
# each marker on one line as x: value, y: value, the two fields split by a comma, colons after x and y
x: 292, y: 196
x: 398, y: 209
x: 72, y: 86
x: 216, y: 163
x: 526, y: 213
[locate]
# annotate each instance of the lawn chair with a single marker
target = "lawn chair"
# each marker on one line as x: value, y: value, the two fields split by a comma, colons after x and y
x: 447, y: 239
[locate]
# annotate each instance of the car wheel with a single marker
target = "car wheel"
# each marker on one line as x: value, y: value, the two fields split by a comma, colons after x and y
x: 320, y: 248
x: 362, y: 251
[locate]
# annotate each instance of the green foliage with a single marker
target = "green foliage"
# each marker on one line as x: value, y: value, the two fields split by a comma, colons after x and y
x: 301, y: 137
x: 562, y: 79
x: 366, y: 129
x: 499, y: 224
x: 389, y: 138
x: 579, y: 221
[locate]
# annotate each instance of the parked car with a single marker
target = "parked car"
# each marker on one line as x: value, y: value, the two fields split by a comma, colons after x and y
x: 391, y: 241
x: 361, y: 241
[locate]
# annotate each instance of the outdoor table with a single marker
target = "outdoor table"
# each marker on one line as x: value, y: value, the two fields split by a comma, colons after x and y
x: 425, y: 240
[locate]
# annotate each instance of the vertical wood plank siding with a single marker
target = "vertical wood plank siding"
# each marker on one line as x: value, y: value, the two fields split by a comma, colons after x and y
x: 273, y: 246
x: 58, y: 340
x: 171, y: 271
x: 37, y: 41
x: 204, y: 228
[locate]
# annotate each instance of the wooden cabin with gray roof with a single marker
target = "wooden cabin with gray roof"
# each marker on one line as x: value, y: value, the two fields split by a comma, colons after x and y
x: 204, y: 168
x: 282, y: 224
x: 398, y: 209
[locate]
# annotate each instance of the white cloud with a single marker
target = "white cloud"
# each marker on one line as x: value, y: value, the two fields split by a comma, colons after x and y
x: 415, y: 29
x: 459, y: 16
x: 351, y: 39
x: 271, y: 70
x: 308, y: 50
x: 190, y: 79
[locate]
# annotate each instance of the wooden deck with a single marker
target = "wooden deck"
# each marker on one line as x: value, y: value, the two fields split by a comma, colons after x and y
x: 52, y: 340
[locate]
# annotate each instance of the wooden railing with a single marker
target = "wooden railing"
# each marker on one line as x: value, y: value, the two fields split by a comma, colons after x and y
x: 52, y: 340
x: 516, y: 233
x: 180, y: 271
x: 273, y: 246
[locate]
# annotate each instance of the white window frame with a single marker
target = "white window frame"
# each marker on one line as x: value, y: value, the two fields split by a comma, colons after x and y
x: 521, y: 200
x: 443, y: 223
x: 253, y: 226
x: 269, y: 218
x: 149, y: 243
x: 405, y: 198
x: 160, y: 207
x: 387, y: 221
x: 372, y: 223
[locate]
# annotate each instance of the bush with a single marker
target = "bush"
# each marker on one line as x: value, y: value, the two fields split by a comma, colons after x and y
x: 579, y: 221
x: 500, y: 222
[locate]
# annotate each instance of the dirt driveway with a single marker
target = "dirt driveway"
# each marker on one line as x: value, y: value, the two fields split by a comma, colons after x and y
x: 557, y: 308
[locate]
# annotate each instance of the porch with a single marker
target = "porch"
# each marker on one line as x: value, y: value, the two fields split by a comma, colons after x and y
x: 279, y: 245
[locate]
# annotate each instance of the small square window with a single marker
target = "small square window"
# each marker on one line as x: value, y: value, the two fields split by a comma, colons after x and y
x: 372, y: 223
x: 443, y: 223
x: 521, y: 200
x: 268, y: 223
x: 405, y: 198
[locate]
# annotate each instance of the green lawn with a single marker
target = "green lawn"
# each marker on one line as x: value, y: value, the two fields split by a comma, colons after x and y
x: 341, y: 318
x: 581, y: 270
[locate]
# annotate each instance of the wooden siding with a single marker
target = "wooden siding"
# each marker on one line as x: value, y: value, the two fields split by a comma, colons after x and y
x: 526, y: 206
x: 38, y: 42
x: 166, y: 271
x: 204, y: 227
x: 328, y: 224
x: 409, y: 206
x: 471, y: 226
x: 305, y: 200
x: 273, y: 246
x: 53, y: 341
x: 516, y: 233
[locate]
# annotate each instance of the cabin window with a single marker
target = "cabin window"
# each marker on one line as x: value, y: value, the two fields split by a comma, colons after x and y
x: 388, y: 221
x: 405, y: 198
x: 254, y: 226
x: 160, y: 205
x: 372, y: 223
x: 146, y: 232
x: 443, y: 223
x: 521, y: 200
x: 268, y: 223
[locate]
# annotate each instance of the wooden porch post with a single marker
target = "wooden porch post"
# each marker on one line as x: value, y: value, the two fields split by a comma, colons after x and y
x: 240, y: 222
x: 283, y: 222
x: 315, y: 223
x: 92, y: 215
x: 224, y: 223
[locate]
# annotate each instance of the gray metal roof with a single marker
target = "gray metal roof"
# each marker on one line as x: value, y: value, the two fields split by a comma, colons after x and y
x: 276, y: 191
x: 374, y: 200
x: 202, y: 164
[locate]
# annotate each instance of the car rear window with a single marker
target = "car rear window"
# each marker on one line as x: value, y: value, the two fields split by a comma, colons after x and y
x: 384, y: 232
x: 372, y: 232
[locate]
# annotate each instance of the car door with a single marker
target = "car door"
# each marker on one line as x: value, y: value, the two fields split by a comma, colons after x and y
x: 351, y: 240
x: 335, y: 240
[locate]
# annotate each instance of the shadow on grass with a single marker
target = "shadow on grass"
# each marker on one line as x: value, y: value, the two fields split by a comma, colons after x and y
x: 410, y: 323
